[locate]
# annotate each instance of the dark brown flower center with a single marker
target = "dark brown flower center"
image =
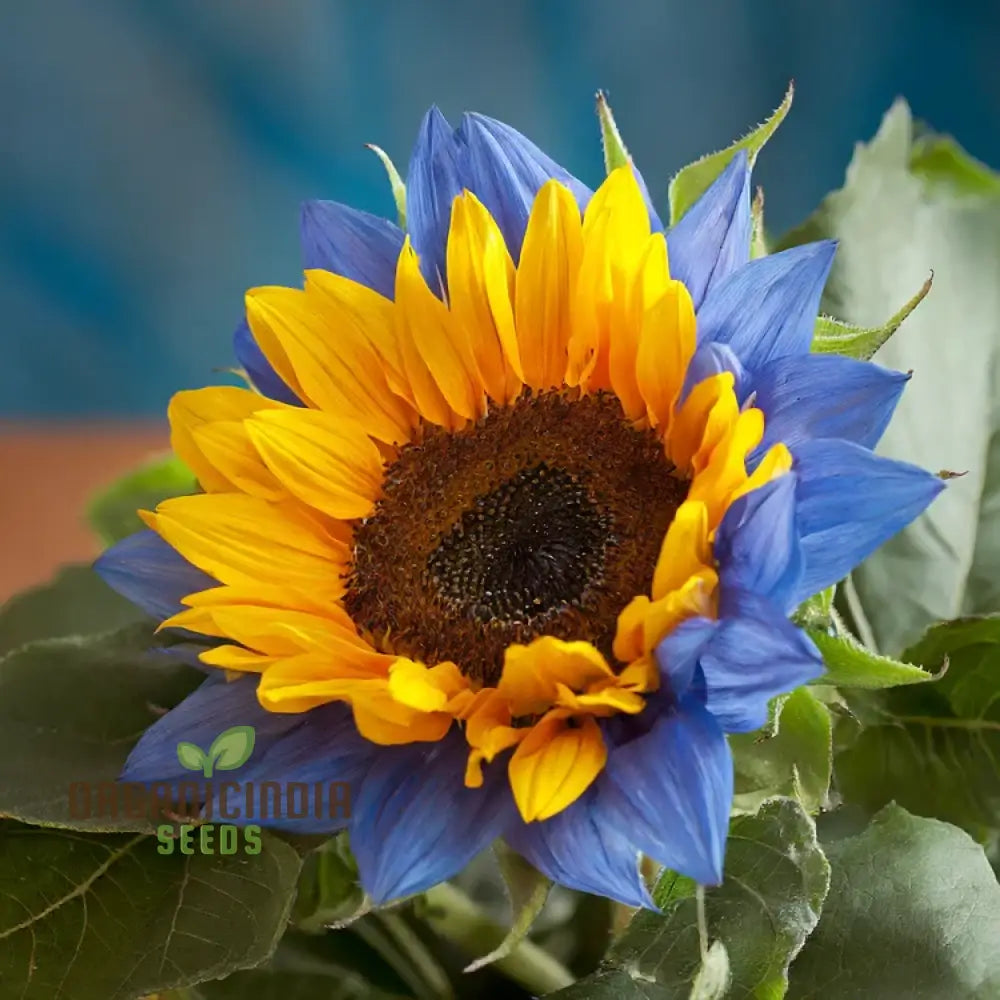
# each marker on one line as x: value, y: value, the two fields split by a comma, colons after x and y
x: 544, y: 518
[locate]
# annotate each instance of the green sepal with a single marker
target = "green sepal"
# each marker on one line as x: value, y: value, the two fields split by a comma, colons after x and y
x: 395, y: 182
x: 615, y: 153
x: 692, y: 181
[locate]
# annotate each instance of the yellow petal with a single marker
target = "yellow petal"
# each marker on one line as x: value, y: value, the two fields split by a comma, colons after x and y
x: 685, y: 550
x: 382, y: 719
x: 776, y: 462
x: 193, y: 409
x: 326, y: 461
x: 240, y: 540
x: 615, y: 235
x: 438, y: 362
x: 476, y: 247
x: 236, y: 658
x: 268, y: 596
x: 634, y: 292
x: 365, y: 324
x: 707, y: 412
x: 327, y: 362
x: 531, y: 672
x: 726, y: 471
x: 546, y: 279
x: 428, y: 689
x: 300, y: 683
x: 555, y: 764
x: 666, y: 345
x: 226, y: 444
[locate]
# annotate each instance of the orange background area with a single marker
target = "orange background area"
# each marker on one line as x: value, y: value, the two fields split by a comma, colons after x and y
x: 48, y: 473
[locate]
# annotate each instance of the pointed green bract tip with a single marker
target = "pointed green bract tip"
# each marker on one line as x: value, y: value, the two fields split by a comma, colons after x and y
x: 395, y: 182
x: 615, y: 153
x: 692, y: 181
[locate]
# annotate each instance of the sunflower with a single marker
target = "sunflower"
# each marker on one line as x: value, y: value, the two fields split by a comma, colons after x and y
x: 506, y: 529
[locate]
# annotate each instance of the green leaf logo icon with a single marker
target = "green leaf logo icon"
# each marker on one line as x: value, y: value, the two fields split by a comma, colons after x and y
x: 229, y: 750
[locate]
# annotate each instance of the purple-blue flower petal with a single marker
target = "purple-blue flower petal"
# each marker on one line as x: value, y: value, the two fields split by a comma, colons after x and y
x: 824, y: 396
x: 585, y: 847
x: 432, y: 184
x: 322, y: 751
x: 712, y: 359
x: 757, y: 545
x: 767, y: 309
x: 151, y: 574
x: 505, y: 170
x: 416, y: 824
x: 672, y: 789
x: 355, y: 244
x: 263, y: 377
x: 849, y: 502
x: 712, y: 239
x: 216, y: 705
x: 753, y: 654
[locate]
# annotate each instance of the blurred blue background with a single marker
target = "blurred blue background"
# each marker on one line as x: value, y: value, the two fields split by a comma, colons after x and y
x: 153, y: 153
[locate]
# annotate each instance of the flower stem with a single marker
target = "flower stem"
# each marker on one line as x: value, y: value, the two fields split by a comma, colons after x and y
x: 456, y: 917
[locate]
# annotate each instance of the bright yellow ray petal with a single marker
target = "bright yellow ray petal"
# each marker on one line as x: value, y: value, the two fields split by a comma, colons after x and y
x: 240, y: 539
x: 325, y: 361
x: 236, y: 658
x: 193, y: 409
x: 531, y: 672
x: 555, y: 764
x: 324, y: 460
x: 686, y: 548
x: 706, y: 413
x: 437, y: 360
x: 475, y: 246
x: 546, y: 280
x: 666, y: 345
x: 269, y: 596
x: 776, y: 462
x: 226, y: 444
x: 365, y: 325
x: 427, y: 689
x: 726, y: 471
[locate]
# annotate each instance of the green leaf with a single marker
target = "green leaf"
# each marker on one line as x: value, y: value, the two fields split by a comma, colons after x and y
x: 614, y: 984
x: 615, y: 153
x: 775, y: 881
x: 834, y: 336
x: 817, y: 611
x: 909, y: 207
x: 792, y: 756
x: 528, y: 889
x: 849, y: 664
x: 935, y: 749
x: 330, y: 894
x: 395, y: 182
x: 693, y: 180
x: 191, y: 756
x: 232, y: 748
x: 913, y: 911
x: 76, y: 602
x: 108, y: 917
x: 112, y: 513
x: 71, y: 710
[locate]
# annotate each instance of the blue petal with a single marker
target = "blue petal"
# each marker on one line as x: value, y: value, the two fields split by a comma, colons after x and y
x: 757, y: 544
x: 205, y: 713
x: 655, y: 223
x: 358, y: 245
x: 711, y: 359
x: 767, y: 309
x: 850, y: 502
x: 505, y: 170
x: 754, y: 653
x: 672, y: 790
x: 416, y: 824
x: 712, y: 239
x: 144, y: 569
x: 322, y: 748
x: 584, y: 848
x: 677, y: 654
x: 264, y: 378
x: 824, y: 396
x: 432, y: 184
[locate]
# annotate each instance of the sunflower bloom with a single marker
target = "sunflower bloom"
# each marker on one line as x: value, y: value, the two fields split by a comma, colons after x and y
x: 507, y: 527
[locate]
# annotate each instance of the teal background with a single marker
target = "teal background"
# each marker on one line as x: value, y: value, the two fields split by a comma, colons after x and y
x: 153, y: 153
